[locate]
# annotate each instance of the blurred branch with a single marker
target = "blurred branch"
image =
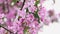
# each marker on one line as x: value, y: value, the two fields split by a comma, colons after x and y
x: 54, y: 1
x: 7, y: 5
x: 5, y: 28
x: 23, y: 4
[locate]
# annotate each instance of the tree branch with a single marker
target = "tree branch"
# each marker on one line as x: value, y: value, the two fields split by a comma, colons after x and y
x: 6, y: 29
x: 22, y: 5
x: 7, y: 5
x: 54, y: 1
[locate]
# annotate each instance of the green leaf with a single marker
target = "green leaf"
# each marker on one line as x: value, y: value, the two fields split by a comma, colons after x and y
x: 27, y: 10
x: 36, y: 12
x: 26, y: 30
x: 37, y: 2
x: 36, y: 15
x: 14, y: 1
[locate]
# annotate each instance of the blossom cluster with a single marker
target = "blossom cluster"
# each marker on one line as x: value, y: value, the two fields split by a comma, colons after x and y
x: 23, y: 16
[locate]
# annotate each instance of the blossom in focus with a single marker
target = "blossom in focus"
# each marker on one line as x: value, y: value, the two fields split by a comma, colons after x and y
x: 23, y: 16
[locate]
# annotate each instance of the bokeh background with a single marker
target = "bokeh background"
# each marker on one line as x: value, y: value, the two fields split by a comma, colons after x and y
x: 52, y: 28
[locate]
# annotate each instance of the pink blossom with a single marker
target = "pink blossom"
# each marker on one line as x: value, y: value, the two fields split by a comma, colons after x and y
x: 2, y: 30
x: 31, y: 9
x: 22, y: 21
x: 42, y: 12
x: 1, y: 1
x: 41, y: 1
x: 22, y: 13
x: 30, y: 17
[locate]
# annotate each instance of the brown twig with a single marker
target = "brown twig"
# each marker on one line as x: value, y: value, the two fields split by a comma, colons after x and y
x: 22, y: 5
x: 6, y: 29
x: 7, y: 5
